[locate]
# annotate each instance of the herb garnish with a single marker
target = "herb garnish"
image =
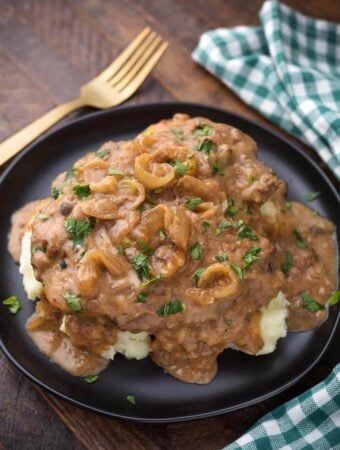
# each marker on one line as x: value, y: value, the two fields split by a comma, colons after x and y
x: 251, y: 179
x: 162, y: 235
x: 178, y: 133
x: 145, y: 247
x: 120, y: 249
x: 42, y: 217
x: 231, y: 209
x: 228, y: 322
x: 289, y: 262
x: 237, y: 269
x: 251, y: 256
x: 37, y: 248
x: 113, y: 171
x: 69, y: 175
x: 180, y: 168
x: 172, y: 307
x: 310, y: 304
x: 13, y: 304
x: 221, y: 258
x: 141, y: 297
x: 73, y: 302
x: 131, y: 399
x: 203, y: 130
x: 79, y: 228
x: 140, y: 264
x: 82, y: 190
x: 192, y: 203
x: 218, y: 169
x: 91, y: 378
x: 239, y: 223
x: 299, y: 242
x: 334, y: 298
x: 246, y: 233
x: 102, y: 153
x: 288, y: 205
x: 197, y: 275
x: 205, y: 146
x: 55, y: 192
x: 205, y: 225
x: 222, y: 226
x: 196, y: 251
x: 311, y: 196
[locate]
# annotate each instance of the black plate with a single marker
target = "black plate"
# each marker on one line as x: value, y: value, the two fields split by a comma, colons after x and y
x: 242, y: 380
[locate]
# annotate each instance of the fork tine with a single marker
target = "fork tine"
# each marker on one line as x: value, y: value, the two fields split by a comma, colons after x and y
x: 139, y: 65
x: 124, y: 56
x: 142, y: 74
x: 133, y: 59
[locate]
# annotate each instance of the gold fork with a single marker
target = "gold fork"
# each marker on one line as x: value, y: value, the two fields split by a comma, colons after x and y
x: 110, y: 88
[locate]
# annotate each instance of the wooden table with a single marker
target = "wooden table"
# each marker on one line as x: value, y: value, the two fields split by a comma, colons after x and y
x: 48, y: 48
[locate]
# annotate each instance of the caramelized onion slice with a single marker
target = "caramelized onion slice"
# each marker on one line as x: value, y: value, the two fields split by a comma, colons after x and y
x: 220, y: 279
x: 101, y: 208
x: 167, y: 260
x: 108, y: 185
x: 153, y: 175
x: 129, y: 190
x: 195, y: 188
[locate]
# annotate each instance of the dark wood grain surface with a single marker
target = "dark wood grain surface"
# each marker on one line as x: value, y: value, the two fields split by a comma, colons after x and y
x: 48, y: 48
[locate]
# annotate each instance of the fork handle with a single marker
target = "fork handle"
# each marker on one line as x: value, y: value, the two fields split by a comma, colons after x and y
x: 11, y: 146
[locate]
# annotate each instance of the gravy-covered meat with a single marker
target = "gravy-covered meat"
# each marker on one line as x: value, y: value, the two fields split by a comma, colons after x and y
x: 180, y: 243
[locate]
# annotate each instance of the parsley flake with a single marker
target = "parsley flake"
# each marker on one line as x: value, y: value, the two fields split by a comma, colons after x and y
x: 37, y: 248
x: 140, y: 264
x: 73, y: 302
x: 82, y: 190
x: 141, y: 297
x: 299, y: 242
x: 102, y: 153
x: 251, y: 256
x: 334, y: 298
x: 79, y: 228
x: 197, y: 275
x: 228, y: 322
x: 196, y: 251
x: 231, y: 209
x: 203, y: 130
x: 246, y: 233
x: 13, y: 304
x: 42, y: 217
x: 120, y: 249
x: 180, y: 168
x: 192, y: 203
x: 91, y: 379
x: 221, y: 258
x: 131, y: 399
x: 162, y: 235
x: 311, y: 196
x: 144, y: 247
x: 310, y: 304
x: 237, y: 269
x: 205, y: 225
x: 113, y: 171
x: 55, y: 192
x: 217, y: 169
x: 69, y: 175
x: 288, y: 263
x: 172, y: 307
x: 205, y: 146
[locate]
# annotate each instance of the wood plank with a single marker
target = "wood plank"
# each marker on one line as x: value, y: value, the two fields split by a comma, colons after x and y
x: 27, y: 422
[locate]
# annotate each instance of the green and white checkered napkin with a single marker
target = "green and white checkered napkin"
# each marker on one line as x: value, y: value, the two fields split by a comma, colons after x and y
x: 310, y: 421
x: 288, y: 69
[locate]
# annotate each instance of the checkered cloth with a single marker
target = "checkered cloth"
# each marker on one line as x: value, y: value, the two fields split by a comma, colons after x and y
x: 310, y: 421
x: 288, y: 69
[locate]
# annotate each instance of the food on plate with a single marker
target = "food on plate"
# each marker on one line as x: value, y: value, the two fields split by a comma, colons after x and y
x: 177, y: 244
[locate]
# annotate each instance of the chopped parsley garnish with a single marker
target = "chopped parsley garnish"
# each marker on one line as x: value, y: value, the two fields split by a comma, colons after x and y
x: 37, y: 248
x: 334, y: 298
x: 55, y: 192
x: 180, y: 168
x: 73, y: 302
x: 120, y: 249
x: 113, y: 171
x: 42, y: 217
x: 69, y: 175
x: 203, y: 130
x: 140, y: 264
x: 222, y: 226
x: 205, y: 225
x: 141, y: 297
x: 231, y: 208
x: 91, y: 379
x: 144, y: 247
x: 205, y: 146
x: 310, y: 304
x: 145, y: 283
x: 196, y: 251
x: 237, y: 269
x: 289, y: 262
x: 192, y: 203
x: 246, y: 233
x: 102, y: 153
x: 131, y: 399
x: 158, y: 190
x: 239, y: 223
x: 251, y: 179
x: 288, y: 205
x: 79, y: 228
x: 13, y: 304
x: 172, y: 307
x: 228, y: 322
x: 197, y: 275
x: 218, y: 169
x: 82, y: 190
x: 251, y: 256
x: 162, y: 235
x: 178, y: 133
x: 311, y: 196
x: 221, y: 258
x: 299, y: 242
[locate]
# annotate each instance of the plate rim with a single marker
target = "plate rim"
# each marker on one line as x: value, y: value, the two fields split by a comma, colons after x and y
x: 175, y: 104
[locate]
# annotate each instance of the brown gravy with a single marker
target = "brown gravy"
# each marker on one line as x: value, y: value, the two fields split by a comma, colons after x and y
x: 187, y: 194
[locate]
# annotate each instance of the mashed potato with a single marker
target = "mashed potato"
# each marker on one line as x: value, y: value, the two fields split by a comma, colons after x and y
x: 32, y: 286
